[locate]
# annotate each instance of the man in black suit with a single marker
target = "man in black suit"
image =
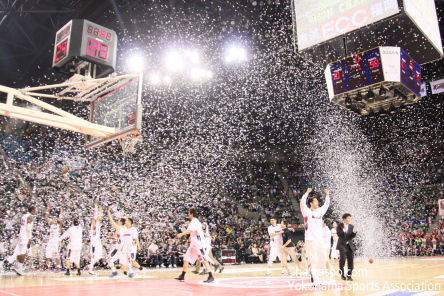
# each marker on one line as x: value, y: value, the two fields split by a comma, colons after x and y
x: 346, y: 233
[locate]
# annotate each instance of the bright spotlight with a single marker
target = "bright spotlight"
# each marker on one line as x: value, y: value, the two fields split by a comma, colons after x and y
x: 209, y: 74
x: 174, y: 61
x: 155, y: 78
x: 136, y: 63
x: 197, y: 74
x: 192, y: 56
x: 235, y: 54
x: 167, y: 80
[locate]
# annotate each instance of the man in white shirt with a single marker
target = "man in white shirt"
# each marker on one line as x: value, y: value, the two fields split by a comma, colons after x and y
x: 196, y: 251
x: 153, y: 252
x: 24, y: 239
x: 74, y: 247
x: 326, y: 233
x: 314, y: 241
x: 275, y: 232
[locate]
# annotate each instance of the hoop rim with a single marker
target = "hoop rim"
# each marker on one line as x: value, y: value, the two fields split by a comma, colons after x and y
x: 133, y: 135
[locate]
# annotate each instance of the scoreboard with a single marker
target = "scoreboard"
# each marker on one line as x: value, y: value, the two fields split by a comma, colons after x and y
x: 372, y: 67
x: 228, y: 256
x: 82, y: 40
x: 360, y: 70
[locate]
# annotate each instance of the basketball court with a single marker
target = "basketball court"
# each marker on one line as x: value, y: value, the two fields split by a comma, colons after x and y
x: 384, y: 277
x: 87, y: 53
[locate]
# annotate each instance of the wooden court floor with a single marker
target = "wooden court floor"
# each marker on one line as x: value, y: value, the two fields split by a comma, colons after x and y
x: 407, y: 276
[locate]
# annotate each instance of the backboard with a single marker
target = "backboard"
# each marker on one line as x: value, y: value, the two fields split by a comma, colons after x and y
x: 119, y: 107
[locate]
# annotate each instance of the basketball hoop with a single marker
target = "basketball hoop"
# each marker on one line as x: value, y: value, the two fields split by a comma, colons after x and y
x: 128, y: 142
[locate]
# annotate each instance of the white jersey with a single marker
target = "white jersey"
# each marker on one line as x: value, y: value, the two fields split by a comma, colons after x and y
x: 54, y: 232
x: 197, y: 235
x: 75, y: 237
x: 120, y: 236
x: 314, y: 219
x: 277, y: 239
x: 95, y: 233
x: 23, y: 235
x: 207, y: 240
x: 327, y: 237
x: 128, y: 239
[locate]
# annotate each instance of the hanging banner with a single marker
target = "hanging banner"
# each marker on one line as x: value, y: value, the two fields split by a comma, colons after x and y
x: 437, y: 86
x: 423, y: 91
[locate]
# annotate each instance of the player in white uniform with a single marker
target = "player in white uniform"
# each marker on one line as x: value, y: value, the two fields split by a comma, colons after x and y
x: 115, y: 253
x: 74, y: 247
x: 96, y: 243
x: 24, y: 240
x: 196, y: 251
x: 326, y: 234
x: 130, y: 246
x: 52, y: 247
x: 208, y: 253
x: 314, y: 242
x: 275, y: 232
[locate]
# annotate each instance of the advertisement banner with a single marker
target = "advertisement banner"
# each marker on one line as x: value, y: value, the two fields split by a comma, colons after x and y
x: 437, y: 86
x: 321, y: 20
x: 423, y: 90
x: 391, y: 62
x: 423, y: 14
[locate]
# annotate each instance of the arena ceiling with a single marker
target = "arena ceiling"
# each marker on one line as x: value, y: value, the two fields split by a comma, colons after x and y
x: 28, y: 27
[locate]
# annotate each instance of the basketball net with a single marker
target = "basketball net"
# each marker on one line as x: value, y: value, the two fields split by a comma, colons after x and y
x: 129, y: 142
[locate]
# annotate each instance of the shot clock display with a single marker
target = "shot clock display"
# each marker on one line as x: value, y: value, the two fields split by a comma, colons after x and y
x: 82, y: 40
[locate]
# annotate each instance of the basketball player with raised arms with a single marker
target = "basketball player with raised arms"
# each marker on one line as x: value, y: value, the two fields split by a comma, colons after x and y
x: 96, y: 243
x: 52, y: 248
x: 130, y: 246
x: 24, y: 239
x: 314, y: 241
x: 196, y: 251
x: 115, y: 253
x: 74, y: 233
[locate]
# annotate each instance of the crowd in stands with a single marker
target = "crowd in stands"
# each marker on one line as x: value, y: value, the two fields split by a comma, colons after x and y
x: 420, y: 232
x: 159, y: 208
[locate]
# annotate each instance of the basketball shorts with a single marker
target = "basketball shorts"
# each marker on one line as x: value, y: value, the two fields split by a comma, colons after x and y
x: 52, y: 250
x: 74, y: 256
x: 275, y: 251
x: 113, y: 255
x: 96, y: 251
x: 128, y: 258
x: 193, y: 254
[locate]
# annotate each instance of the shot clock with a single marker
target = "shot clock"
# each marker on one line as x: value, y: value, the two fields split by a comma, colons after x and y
x: 82, y: 40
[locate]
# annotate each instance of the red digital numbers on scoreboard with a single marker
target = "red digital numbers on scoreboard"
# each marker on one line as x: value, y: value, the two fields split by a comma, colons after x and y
x: 96, y: 32
x: 61, y: 50
x: 337, y: 75
x: 97, y: 50
x: 374, y: 64
x: 412, y: 65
